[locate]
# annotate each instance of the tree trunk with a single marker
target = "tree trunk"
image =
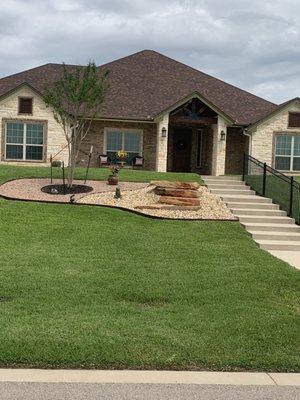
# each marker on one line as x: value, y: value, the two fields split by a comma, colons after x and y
x: 72, y: 159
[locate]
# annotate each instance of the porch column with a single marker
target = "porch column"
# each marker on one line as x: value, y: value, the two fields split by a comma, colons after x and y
x: 219, y: 147
x: 162, y: 144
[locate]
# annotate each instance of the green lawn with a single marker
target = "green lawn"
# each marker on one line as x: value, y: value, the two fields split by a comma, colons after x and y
x: 15, y: 172
x: 94, y: 287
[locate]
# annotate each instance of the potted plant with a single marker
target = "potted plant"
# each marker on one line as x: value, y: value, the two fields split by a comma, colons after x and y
x: 121, y: 156
x: 113, y: 178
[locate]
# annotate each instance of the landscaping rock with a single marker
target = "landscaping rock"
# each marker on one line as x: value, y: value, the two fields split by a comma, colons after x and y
x: 188, y: 193
x: 176, y: 185
x: 179, y: 201
x: 168, y: 207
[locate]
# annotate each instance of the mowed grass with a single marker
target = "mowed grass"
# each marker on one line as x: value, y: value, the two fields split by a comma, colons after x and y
x: 130, y: 175
x: 100, y: 288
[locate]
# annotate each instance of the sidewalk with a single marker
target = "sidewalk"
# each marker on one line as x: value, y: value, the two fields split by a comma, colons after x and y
x: 149, y: 377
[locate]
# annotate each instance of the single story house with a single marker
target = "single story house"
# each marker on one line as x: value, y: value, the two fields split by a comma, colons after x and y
x: 174, y: 116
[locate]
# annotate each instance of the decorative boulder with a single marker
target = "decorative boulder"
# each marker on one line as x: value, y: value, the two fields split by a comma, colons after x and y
x: 179, y: 201
x: 162, y: 191
x: 176, y: 185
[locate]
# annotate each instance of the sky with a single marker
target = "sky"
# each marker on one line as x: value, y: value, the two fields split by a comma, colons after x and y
x: 253, y: 44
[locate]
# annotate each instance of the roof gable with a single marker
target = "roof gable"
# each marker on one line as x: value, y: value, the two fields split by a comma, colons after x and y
x: 280, y: 108
x: 146, y: 83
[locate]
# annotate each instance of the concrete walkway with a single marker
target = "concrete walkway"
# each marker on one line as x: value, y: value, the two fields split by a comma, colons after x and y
x: 149, y: 377
x: 269, y: 226
x: 291, y: 257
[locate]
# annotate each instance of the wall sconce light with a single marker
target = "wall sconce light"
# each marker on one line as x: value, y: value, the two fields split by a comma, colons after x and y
x: 164, y: 132
x: 222, y: 136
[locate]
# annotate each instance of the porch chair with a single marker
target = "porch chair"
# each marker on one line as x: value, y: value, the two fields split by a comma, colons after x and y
x: 104, y: 160
x: 137, y: 162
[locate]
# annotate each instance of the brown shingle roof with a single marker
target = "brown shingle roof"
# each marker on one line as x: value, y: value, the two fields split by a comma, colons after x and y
x: 144, y: 84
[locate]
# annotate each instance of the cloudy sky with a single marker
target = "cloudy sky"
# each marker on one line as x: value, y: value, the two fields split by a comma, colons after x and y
x: 252, y: 44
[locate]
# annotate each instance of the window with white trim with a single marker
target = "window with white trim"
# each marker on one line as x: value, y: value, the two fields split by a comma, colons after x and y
x: 287, y: 152
x: 24, y: 141
x: 127, y: 140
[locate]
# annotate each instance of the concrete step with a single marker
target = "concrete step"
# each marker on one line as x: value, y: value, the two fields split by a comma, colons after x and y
x: 223, y: 182
x: 262, y: 212
x: 262, y: 219
x: 286, y: 236
x: 222, y: 177
x: 227, y: 186
x: 241, y: 191
x: 267, y: 206
x: 278, y: 245
x: 251, y: 198
x: 269, y: 227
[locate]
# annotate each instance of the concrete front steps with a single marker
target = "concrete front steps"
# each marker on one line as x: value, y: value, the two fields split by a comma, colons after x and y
x: 268, y: 225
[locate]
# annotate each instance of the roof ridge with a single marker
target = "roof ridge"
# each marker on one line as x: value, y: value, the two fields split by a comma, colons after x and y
x: 212, y: 77
x: 22, y: 72
x: 128, y: 56
x: 38, y: 67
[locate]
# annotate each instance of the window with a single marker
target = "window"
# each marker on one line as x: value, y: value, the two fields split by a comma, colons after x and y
x: 287, y: 152
x: 24, y: 141
x: 130, y: 141
x: 25, y: 105
x: 294, y: 120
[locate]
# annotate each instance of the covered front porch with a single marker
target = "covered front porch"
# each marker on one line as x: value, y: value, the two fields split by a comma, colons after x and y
x: 194, y: 137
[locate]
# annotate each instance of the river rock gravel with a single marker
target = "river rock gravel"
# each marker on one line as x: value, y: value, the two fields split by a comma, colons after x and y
x: 211, y: 206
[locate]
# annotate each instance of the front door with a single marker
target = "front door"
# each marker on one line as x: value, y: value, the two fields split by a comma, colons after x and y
x: 182, y: 139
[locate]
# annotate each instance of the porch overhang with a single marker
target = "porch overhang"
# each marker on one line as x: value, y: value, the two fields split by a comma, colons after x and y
x: 195, y: 95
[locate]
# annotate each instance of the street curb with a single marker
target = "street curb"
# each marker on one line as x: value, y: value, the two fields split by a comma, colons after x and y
x: 150, y: 377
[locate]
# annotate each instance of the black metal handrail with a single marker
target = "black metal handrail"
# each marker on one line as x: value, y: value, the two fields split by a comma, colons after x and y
x: 267, y: 181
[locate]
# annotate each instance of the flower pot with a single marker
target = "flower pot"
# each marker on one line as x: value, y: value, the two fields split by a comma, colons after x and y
x: 113, y: 180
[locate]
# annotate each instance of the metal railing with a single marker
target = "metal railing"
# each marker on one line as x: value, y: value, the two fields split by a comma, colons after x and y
x: 268, y: 182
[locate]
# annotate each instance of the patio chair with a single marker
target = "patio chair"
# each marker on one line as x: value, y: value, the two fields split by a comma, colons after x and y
x: 104, y: 160
x: 137, y: 162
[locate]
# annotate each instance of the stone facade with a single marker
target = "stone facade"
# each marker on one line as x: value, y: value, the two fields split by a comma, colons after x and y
x: 219, y: 147
x: 54, y: 135
x: 217, y: 156
x: 96, y: 138
x: 262, y: 146
x: 162, y: 144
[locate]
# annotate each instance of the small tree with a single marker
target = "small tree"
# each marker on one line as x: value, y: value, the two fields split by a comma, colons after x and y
x: 76, y: 100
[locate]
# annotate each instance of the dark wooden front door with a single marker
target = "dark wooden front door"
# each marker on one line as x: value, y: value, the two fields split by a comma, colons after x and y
x: 182, y: 139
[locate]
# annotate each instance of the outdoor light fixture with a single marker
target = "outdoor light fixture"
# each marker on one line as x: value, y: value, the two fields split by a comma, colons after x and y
x: 163, y: 132
x: 222, y: 135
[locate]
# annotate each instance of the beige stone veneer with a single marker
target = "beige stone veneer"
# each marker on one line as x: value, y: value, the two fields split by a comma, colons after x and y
x: 263, y: 138
x: 54, y: 135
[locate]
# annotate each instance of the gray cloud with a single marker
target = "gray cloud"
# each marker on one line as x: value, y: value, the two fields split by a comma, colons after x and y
x: 254, y: 45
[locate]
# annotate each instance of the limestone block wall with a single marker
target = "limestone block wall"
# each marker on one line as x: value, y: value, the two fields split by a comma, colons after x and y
x: 54, y: 135
x: 162, y: 144
x: 219, y: 147
x: 263, y: 143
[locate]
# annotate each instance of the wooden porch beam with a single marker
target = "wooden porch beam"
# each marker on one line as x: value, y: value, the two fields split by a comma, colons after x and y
x: 190, y: 121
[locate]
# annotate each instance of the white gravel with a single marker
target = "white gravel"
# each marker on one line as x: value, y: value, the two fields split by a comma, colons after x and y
x: 211, y: 206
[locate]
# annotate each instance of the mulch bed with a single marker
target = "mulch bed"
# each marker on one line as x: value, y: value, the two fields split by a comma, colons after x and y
x: 63, y: 189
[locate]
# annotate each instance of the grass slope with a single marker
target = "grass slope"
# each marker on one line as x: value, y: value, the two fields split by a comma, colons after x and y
x: 130, y: 175
x: 94, y: 287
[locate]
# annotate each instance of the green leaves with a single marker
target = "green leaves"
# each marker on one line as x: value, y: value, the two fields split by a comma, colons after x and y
x: 78, y: 94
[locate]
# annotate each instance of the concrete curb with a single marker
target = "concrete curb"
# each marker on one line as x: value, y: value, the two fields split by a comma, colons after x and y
x: 148, y: 377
